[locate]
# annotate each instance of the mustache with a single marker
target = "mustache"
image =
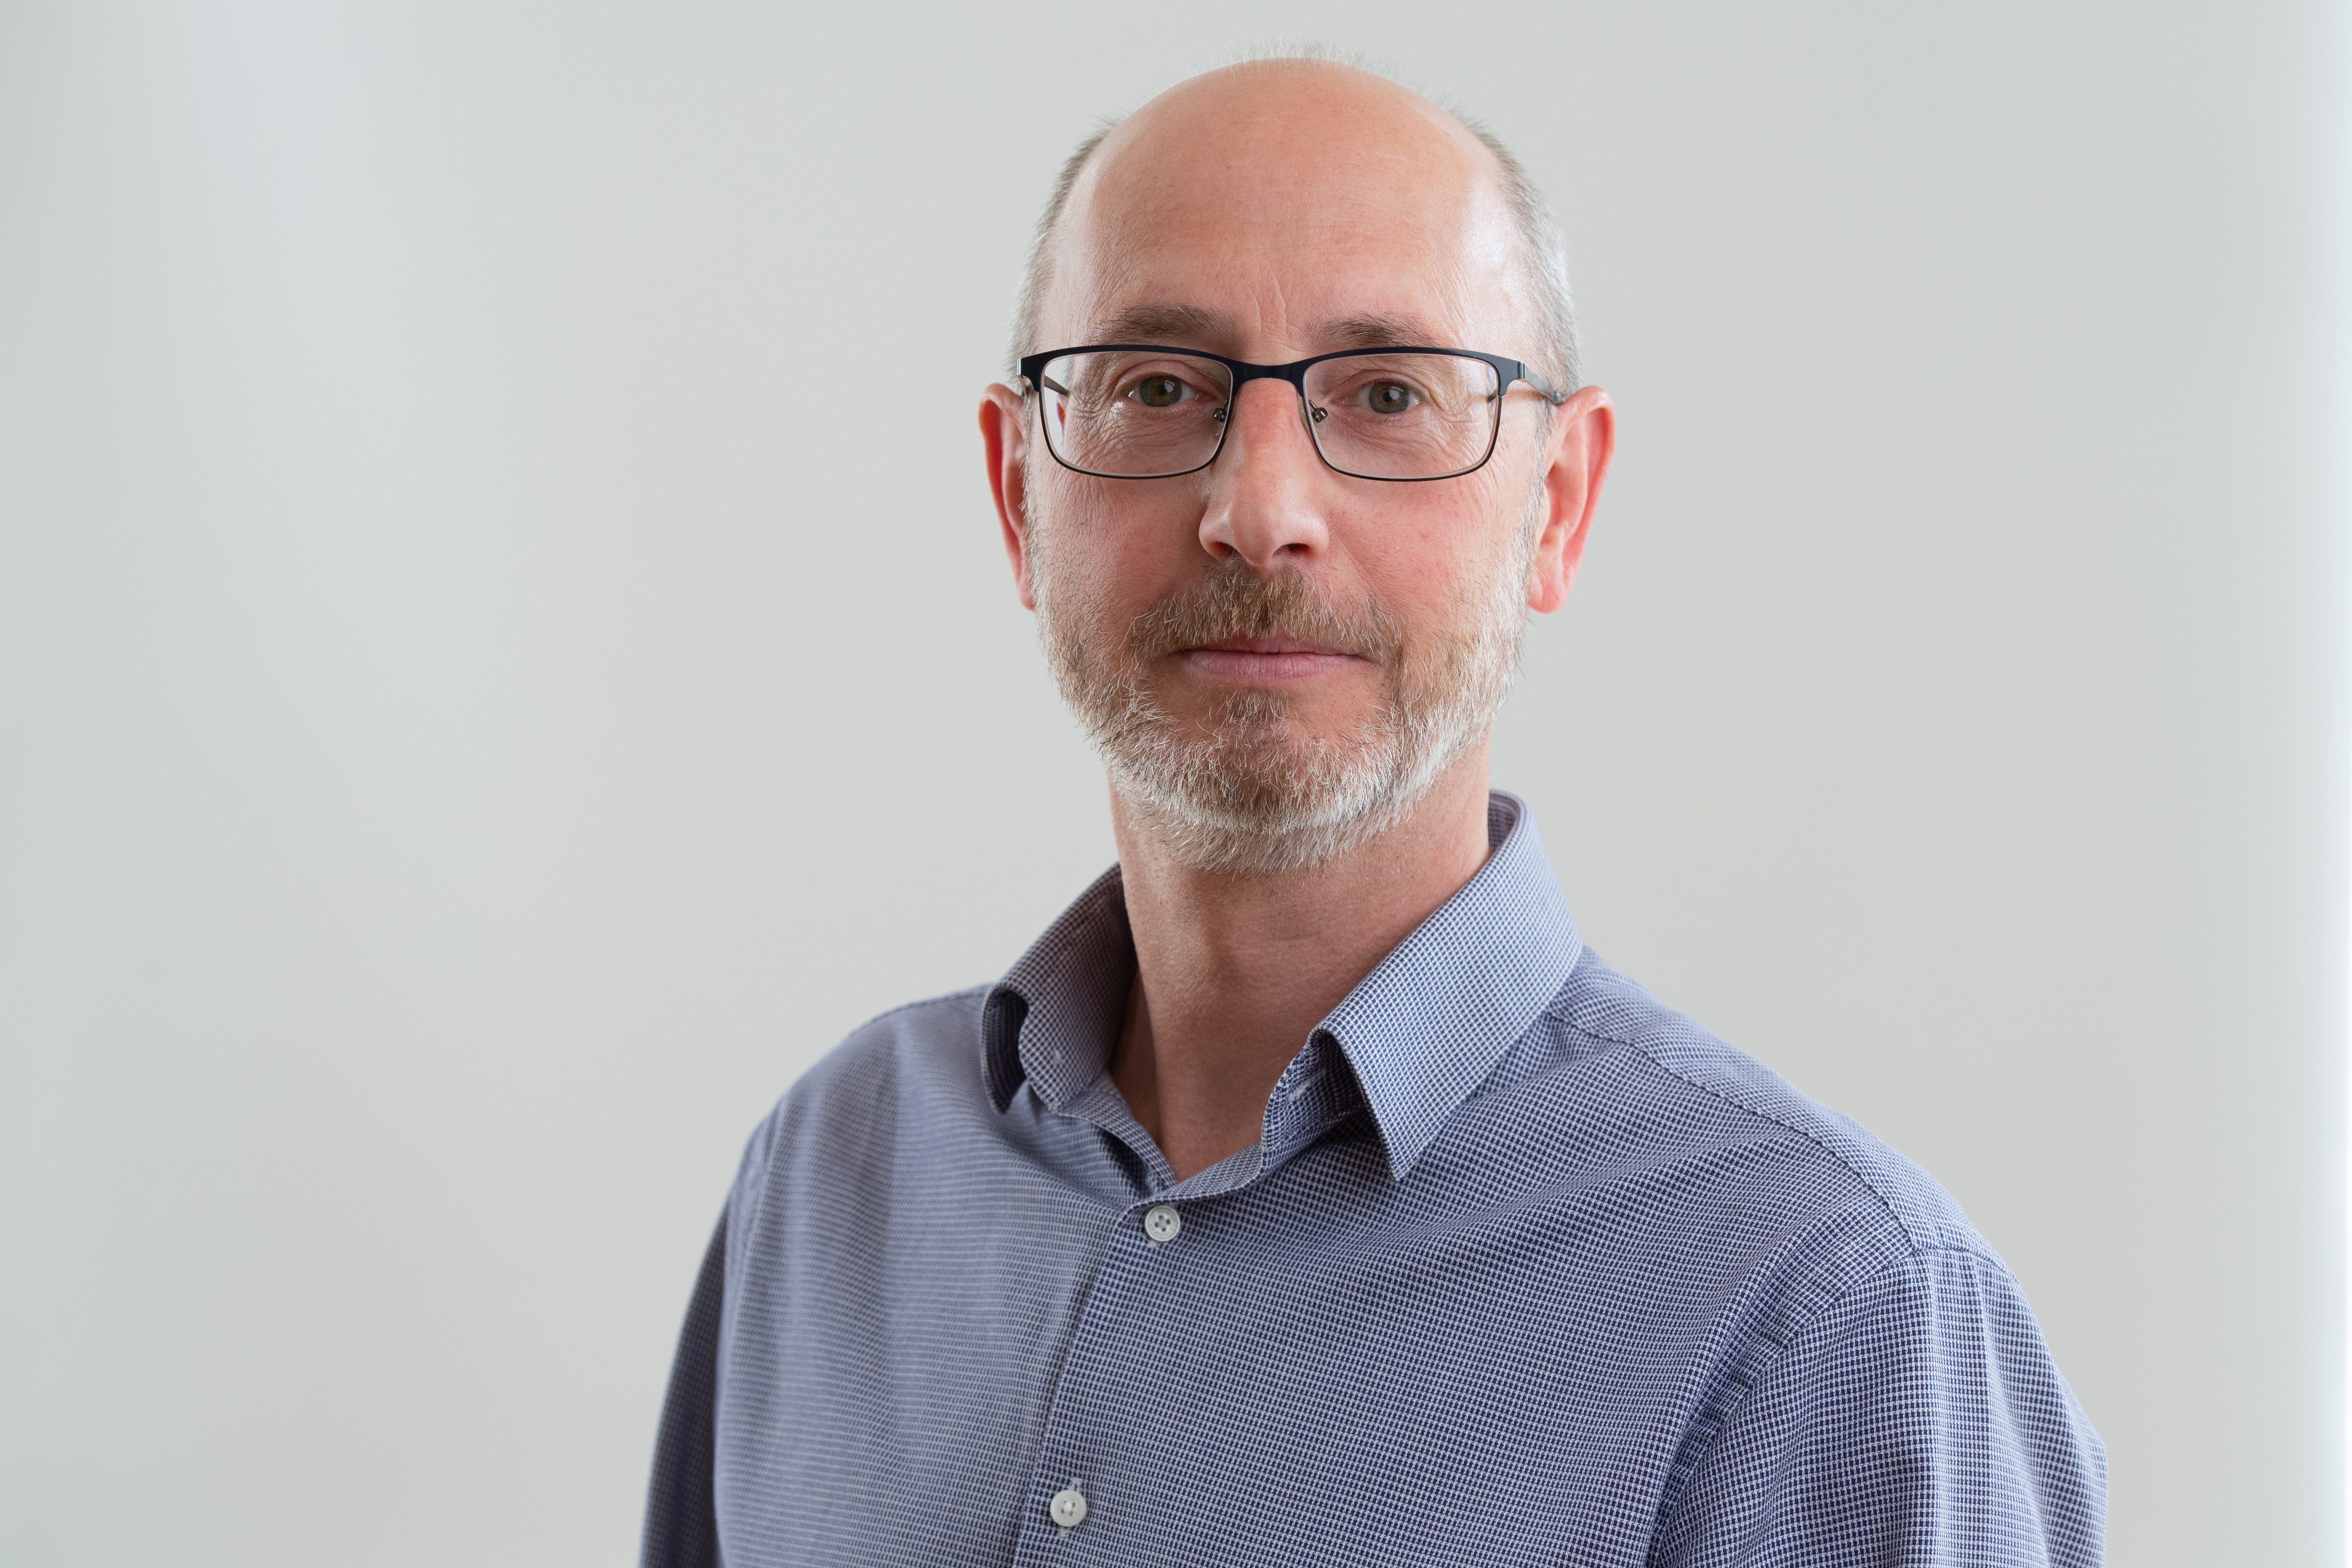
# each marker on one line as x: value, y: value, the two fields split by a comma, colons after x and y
x: 1236, y: 602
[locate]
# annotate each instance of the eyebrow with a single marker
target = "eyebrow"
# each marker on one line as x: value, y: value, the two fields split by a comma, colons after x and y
x: 1165, y: 324
x: 1378, y: 332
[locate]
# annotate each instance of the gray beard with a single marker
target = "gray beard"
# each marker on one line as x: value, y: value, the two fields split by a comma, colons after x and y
x: 1240, y: 793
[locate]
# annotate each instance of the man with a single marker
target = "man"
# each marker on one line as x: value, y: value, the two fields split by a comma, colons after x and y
x: 1309, y: 1193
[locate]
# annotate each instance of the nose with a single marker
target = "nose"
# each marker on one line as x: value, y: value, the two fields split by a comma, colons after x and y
x: 1268, y: 486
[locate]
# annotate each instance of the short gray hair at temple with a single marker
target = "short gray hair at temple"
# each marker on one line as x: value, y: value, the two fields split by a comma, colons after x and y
x: 1545, y: 251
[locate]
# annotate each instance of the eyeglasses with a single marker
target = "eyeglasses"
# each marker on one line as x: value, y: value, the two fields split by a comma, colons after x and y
x: 1139, y: 411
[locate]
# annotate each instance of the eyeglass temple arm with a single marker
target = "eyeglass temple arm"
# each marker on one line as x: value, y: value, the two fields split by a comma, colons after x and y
x: 1555, y: 398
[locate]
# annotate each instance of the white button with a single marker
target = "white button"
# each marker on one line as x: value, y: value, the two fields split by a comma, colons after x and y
x: 1069, y: 1507
x: 1162, y: 1222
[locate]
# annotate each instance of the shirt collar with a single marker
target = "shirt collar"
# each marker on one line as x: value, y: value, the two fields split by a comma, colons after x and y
x: 1420, y: 1032
x: 1432, y: 1019
x: 1074, y: 981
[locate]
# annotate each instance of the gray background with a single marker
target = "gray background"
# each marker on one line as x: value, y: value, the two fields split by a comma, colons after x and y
x: 504, y: 658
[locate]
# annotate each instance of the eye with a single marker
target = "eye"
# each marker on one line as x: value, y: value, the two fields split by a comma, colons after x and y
x: 1389, y: 397
x: 1159, y: 391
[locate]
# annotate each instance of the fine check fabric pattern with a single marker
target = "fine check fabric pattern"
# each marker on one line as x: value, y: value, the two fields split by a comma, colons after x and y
x: 1527, y: 1269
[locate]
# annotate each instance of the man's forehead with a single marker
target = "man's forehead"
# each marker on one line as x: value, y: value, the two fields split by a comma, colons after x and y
x: 1224, y: 329
x: 1320, y: 205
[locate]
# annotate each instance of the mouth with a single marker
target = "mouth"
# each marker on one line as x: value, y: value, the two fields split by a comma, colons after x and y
x: 1266, y: 660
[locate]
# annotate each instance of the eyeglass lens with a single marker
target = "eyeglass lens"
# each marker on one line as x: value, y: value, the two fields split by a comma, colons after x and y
x: 1143, y: 413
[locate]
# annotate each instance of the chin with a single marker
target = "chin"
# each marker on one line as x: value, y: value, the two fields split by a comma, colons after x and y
x: 1261, y: 800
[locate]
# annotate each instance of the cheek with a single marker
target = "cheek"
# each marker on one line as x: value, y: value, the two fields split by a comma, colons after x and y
x: 1424, y: 562
x: 1108, y: 544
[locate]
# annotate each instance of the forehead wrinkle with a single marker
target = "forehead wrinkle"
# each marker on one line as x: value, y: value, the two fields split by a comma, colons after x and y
x: 1464, y: 296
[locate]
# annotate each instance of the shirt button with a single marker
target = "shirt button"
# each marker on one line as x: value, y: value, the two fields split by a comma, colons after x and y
x: 1069, y: 1507
x: 1161, y: 1222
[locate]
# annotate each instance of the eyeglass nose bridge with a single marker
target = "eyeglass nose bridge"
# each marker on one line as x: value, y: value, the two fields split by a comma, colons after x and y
x: 1244, y: 373
x: 1294, y: 374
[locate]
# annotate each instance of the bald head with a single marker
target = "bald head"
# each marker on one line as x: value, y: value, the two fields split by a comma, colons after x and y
x: 1293, y: 167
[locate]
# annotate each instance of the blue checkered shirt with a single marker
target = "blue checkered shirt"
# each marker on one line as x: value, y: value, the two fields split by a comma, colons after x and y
x: 1527, y: 1268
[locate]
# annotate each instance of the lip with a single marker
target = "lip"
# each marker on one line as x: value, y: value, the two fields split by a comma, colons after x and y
x: 1273, y: 645
x: 1266, y: 661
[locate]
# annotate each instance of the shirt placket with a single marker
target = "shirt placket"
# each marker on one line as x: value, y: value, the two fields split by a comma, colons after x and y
x: 1080, y: 1482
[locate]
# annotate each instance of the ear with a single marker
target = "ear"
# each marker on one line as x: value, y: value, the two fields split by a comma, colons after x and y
x: 1005, y: 434
x: 1583, y: 438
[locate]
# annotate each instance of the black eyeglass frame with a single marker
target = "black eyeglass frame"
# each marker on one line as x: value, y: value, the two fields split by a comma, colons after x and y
x: 1510, y: 371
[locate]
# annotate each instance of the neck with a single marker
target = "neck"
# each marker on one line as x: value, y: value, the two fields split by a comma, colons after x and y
x: 1233, y: 971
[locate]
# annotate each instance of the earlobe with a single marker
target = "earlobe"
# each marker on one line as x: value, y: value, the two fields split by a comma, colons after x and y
x: 1004, y: 433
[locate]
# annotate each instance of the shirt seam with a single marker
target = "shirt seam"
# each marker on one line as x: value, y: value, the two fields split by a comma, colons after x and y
x: 1721, y: 1411
x: 760, y: 1149
x: 1910, y: 1232
x: 979, y: 990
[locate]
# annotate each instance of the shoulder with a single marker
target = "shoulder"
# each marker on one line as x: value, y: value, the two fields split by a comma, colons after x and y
x: 845, y: 1111
x: 1700, y: 1082
x: 916, y: 1038
x: 1867, y: 1358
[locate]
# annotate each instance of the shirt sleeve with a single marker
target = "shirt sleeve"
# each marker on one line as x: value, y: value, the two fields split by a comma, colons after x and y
x: 681, y: 1514
x: 1915, y: 1420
